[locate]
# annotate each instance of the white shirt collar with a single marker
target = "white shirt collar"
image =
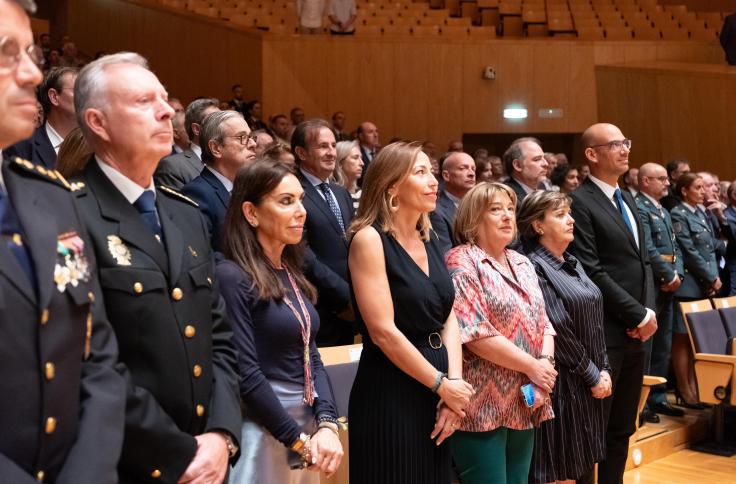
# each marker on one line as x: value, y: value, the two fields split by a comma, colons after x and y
x: 608, y: 190
x: 130, y: 189
x: 223, y: 179
x: 197, y: 151
x: 176, y: 148
x: 655, y: 202
x: 54, y: 137
x: 525, y: 187
x: 690, y: 207
x: 312, y: 179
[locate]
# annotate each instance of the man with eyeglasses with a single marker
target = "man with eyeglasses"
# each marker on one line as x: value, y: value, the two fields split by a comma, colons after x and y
x: 182, y: 421
x: 227, y: 146
x: 610, y: 244
x: 61, y: 401
x: 56, y: 95
x: 668, y: 271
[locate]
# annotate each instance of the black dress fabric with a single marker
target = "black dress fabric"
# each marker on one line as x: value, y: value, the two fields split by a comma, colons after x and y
x: 391, y: 415
x: 568, y: 446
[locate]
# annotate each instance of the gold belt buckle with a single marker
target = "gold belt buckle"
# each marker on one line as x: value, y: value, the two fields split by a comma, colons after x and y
x: 435, y: 346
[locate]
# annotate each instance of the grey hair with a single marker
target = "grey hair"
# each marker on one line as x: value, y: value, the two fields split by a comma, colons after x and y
x: 91, y: 83
x: 213, y: 129
x: 27, y: 5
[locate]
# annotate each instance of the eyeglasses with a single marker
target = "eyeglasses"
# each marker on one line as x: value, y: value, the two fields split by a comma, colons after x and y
x: 616, y: 145
x: 10, y: 52
x: 244, y: 139
x: 660, y: 179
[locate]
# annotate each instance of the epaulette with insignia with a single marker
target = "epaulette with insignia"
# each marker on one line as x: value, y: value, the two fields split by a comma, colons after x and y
x: 41, y: 172
x: 178, y: 195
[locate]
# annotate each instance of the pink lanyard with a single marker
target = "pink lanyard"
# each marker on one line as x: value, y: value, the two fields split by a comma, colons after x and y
x: 305, y: 325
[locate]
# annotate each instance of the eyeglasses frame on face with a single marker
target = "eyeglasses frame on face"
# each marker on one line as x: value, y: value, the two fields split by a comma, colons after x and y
x: 243, y: 139
x: 10, y: 60
x: 611, y: 145
x: 660, y: 179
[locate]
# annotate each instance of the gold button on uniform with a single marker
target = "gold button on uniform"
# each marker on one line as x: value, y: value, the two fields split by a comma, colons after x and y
x: 50, y: 370
x: 138, y: 287
x: 40, y: 475
x: 200, y: 410
x: 177, y: 294
x: 156, y: 474
x: 196, y: 371
x: 189, y: 331
x: 91, y: 296
x: 50, y: 425
x: 209, y: 281
x: 45, y: 316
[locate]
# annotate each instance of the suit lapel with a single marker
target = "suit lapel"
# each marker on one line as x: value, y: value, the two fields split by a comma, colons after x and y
x: 115, y: 207
x: 172, y: 236
x: 608, y: 206
x: 46, y: 152
x: 193, y: 161
x: 311, y: 194
x: 220, y: 189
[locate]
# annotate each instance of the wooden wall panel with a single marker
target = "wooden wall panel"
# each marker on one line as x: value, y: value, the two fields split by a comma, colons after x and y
x: 421, y: 88
x: 673, y: 110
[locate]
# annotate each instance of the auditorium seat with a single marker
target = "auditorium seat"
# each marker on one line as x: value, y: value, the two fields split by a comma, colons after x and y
x: 368, y: 30
x: 646, y: 33
x: 425, y: 30
x: 455, y: 31
x: 490, y: 17
x: 458, y: 22
x: 715, y: 368
x: 591, y: 33
x: 406, y: 21
x: 618, y: 33
x: 513, y: 26
x: 674, y: 33
x: 483, y: 32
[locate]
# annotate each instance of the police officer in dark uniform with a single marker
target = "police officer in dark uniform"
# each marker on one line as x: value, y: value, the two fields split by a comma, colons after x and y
x: 156, y: 270
x: 61, y: 401
x: 700, y: 248
x: 668, y: 271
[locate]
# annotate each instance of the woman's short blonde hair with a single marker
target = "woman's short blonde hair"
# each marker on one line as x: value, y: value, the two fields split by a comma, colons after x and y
x: 472, y: 207
x: 391, y: 166
x: 533, y: 208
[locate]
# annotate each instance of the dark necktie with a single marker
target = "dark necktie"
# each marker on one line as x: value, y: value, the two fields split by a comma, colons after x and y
x: 12, y: 235
x: 333, y: 206
x: 146, y: 205
x: 622, y: 209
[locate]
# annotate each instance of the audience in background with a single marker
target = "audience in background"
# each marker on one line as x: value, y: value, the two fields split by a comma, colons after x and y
x: 237, y: 103
x: 281, y: 129
x: 665, y: 260
x: 568, y: 446
x: 288, y: 406
x: 263, y: 140
x: 338, y: 126
x: 56, y: 95
x: 177, y: 170
x: 227, y: 146
x: 630, y: 181
x: 253, y: 116
x: 565, y: 177
x: 409, y: 388
x: 730, y: 213
x: 367, y: 133
x: 458, y: 174
x: 483, y: 170
x: 342, y: 15
x: 583, y: 172
x: 526, y: 166
x: 675, y: 169
x: 507, y: 340
x: 455, y: 146
x: 349, y: 168
x: 699, y: 252
x: 279, y: 151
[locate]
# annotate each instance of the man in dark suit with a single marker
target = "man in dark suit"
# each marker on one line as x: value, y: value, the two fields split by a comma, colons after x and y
x: 526, y: 166
x: 63, y: 403
x: 175, y: 171
x: 458, y: 173
x: 329, y: 213
x: 56, y: 95
x: 609, y: 242
x: 730, y: 214
x: 338, y: 126
x: 227, y: 146
x: 367, y: 134
x: 668, y: 271
x: 182, y: 418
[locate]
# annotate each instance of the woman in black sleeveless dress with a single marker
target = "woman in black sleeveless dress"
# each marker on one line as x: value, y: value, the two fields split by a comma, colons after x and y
x: 403, y: 297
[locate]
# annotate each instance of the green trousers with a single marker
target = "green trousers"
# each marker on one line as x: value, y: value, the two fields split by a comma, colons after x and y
x: 501, y: 456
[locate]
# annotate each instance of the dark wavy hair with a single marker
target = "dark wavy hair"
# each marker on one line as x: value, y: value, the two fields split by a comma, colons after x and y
x: 241, y: 245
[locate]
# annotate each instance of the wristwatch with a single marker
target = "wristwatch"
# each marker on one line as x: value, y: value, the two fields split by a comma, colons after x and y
x: 549, y: 358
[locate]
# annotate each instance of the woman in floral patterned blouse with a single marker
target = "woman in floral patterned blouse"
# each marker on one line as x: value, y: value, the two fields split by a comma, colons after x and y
x: 507, y: 340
